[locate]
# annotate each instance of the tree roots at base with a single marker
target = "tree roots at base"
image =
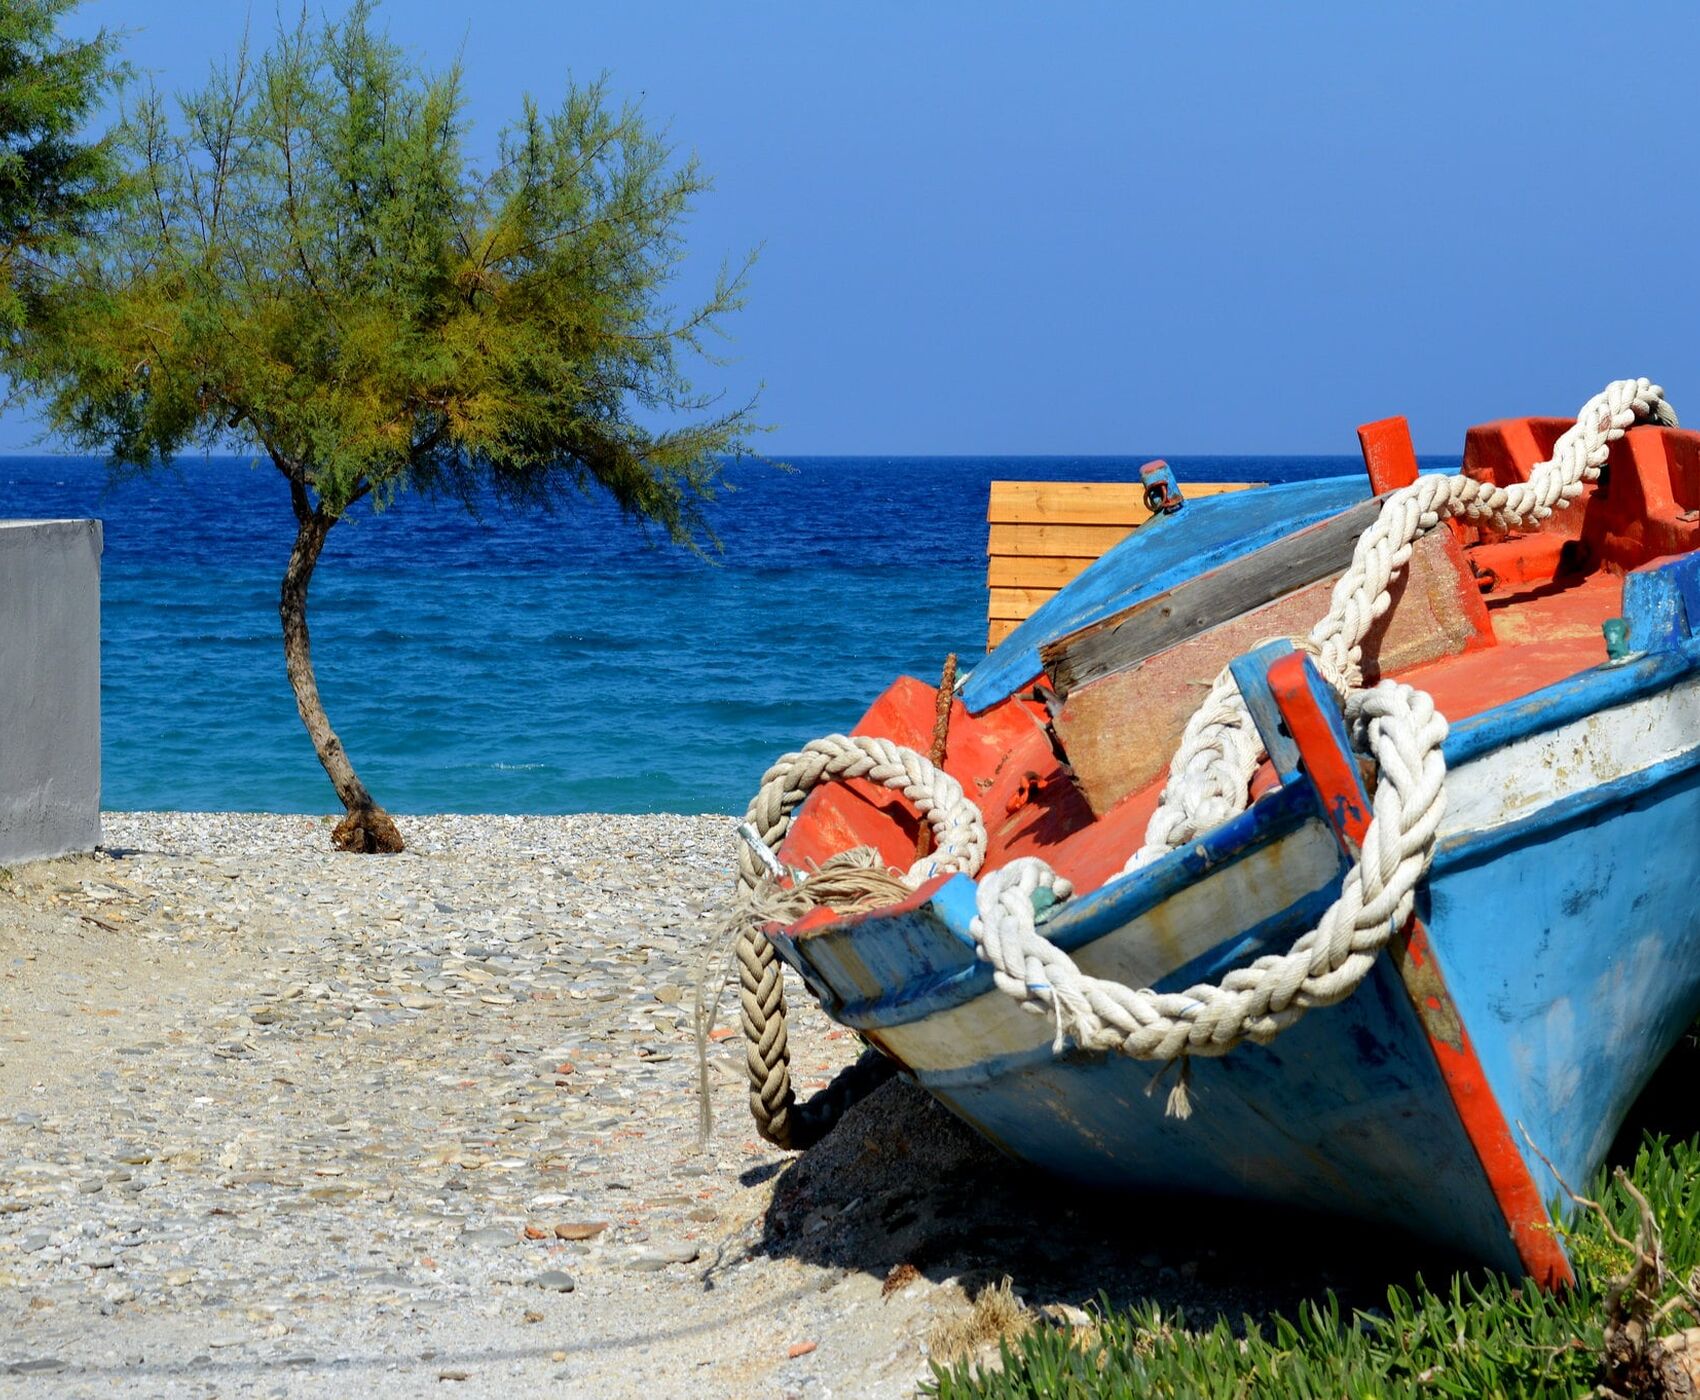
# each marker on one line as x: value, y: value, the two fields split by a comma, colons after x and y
x: 367, y: 831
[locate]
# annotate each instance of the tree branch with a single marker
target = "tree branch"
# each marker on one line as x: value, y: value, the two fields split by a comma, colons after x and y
x: 298, y: 497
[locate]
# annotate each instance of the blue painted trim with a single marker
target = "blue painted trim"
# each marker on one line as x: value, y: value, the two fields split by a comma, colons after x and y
x: 1205, y: 968
x: 1686, y: 572
x: 1092, y: 915
x: 917, y: 1001
x: 1556, y: 705
x: 1653, y: 608
x: 1251, y: 674
x: 954, y: 903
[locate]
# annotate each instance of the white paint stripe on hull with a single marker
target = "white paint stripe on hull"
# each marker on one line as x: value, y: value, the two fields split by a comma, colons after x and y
x: 1510, y: 783
x: 1185, y: 926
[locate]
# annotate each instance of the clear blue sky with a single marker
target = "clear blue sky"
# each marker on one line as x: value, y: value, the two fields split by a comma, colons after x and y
x: 1100, y: 228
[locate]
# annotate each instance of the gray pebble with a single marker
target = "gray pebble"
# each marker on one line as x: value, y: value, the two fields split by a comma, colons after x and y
x: 37, y: 1366
x: 660, y: 1255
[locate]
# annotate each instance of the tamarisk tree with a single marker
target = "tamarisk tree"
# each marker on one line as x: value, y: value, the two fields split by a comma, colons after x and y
x: 310, y: 264
x: 53, y: 184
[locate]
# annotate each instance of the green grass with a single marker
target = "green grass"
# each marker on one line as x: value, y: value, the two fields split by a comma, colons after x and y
x: 1486, y: 1336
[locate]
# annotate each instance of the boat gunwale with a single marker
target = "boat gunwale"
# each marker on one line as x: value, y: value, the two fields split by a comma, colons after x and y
x: 1275, y: 816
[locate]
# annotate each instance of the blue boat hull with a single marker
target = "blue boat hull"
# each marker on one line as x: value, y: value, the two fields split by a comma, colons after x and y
x: 1558, y: 912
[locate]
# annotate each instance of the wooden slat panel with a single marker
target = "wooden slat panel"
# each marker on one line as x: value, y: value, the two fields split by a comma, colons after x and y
x: 1067, y: 503
x: 1060, y: 541
x: 1024, y: 571
x: 1017, y: 603
x: 1084, y: 502
x: 1044, y: 534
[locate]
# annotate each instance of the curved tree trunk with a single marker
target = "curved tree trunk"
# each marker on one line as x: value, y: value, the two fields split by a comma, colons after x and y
x: 367, y: 827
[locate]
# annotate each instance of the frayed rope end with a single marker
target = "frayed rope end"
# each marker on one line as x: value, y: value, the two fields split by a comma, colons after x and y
x: 1178, y: 1105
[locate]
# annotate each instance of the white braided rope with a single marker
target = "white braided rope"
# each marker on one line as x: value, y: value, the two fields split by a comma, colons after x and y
x: 959, y: 831
x: 1208, y: 784
x: 959, y: 841
x: 1258, y: 1001
x: 1219, y: 751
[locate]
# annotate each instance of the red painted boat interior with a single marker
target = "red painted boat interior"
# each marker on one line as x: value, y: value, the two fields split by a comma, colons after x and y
x: 1547, y: 592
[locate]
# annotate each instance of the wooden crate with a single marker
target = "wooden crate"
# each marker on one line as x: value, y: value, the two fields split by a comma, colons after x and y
x: 1043, y: 533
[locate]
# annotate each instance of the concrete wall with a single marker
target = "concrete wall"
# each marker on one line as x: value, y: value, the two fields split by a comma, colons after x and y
x: 49, y: 687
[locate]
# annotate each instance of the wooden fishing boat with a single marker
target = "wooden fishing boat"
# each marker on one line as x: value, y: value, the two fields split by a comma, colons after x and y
x: 1501, y: 983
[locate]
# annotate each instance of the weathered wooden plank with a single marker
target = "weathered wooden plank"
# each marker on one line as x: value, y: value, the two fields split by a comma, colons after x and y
x: 1067, y: 503
x: 1022, y: 571
x: 1060, y: 541
x: 1085, y: 502
x: 1017, y: 603
x: 1120, y: 730
x: 998, y: 628
x: 1154, y: 625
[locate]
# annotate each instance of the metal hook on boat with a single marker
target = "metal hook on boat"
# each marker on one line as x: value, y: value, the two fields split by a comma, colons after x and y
x: 1162, y: 491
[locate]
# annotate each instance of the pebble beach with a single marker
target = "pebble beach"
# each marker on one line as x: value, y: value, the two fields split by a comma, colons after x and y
x: 278, y: 1121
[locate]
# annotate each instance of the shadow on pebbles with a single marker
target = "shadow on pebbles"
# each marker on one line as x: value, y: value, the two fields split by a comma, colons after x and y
x: 902, y: 1189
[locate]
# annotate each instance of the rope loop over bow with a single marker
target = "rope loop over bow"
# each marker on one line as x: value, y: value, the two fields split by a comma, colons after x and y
x: 959, y: 844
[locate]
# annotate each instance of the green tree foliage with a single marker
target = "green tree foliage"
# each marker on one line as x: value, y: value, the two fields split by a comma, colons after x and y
x: 53, y: 185
x: 311, y: 264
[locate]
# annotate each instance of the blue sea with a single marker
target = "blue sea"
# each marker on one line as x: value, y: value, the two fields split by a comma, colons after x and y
x: 532, y: 663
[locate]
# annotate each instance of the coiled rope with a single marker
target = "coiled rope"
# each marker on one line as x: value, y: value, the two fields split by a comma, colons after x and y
x: 959, y: 844
x: 1208, y: 784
